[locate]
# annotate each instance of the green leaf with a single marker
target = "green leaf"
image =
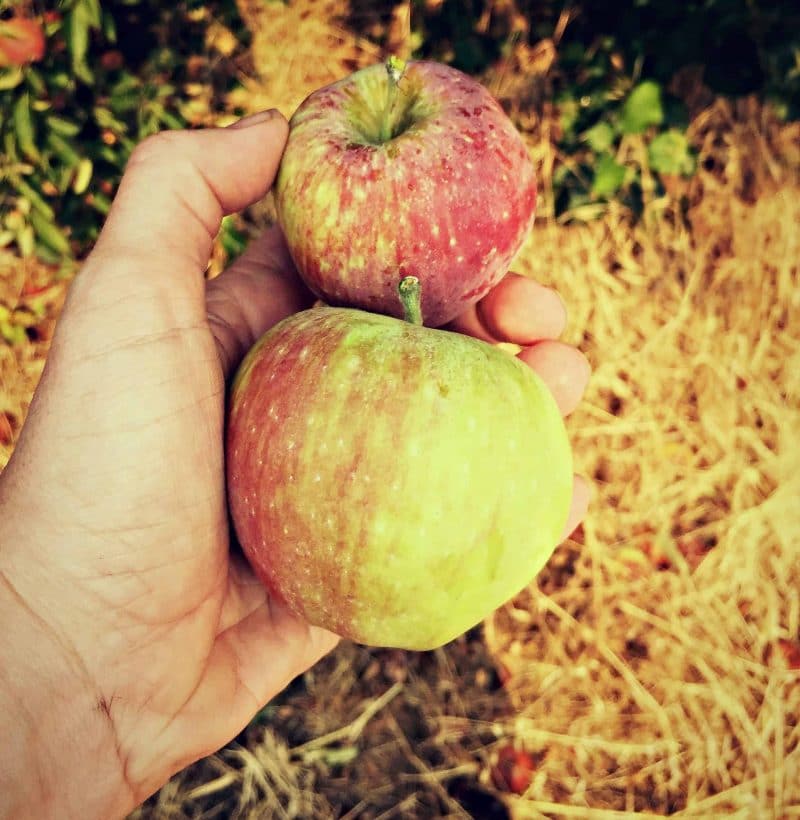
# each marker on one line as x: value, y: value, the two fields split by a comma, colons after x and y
x: 10, y: 78
x: 23, y: 127
x: 36, y: 82
x: 642, y: 108
x: 26, y: 240
x: 63, y: 149
x: 600, y: 137
x: 569, y: 111
x: 101, y: 203
x: 83, y: 176
x: 109, y: 27
x: 171, y: 121
x: 76, y: 29
x: 66, y: 128
x: 608, y: 176
x: 38, y: 203
x: 93, y: 12
x: 49, y: 234
x: 670, y: 153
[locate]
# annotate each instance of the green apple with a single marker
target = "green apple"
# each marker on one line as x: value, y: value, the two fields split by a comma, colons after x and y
x: 393, y: 483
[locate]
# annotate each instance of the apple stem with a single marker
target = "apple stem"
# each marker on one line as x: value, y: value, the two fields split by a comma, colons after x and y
x: 395, y: 67
x: 410, y: 295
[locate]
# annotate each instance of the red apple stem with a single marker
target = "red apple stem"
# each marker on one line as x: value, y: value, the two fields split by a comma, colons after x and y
x: 394, y: 69
x: 410, y: 295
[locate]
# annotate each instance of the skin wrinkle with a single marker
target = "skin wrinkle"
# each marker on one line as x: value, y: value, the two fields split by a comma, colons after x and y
x: 185, y: 174
x: 169, y: 335
x: 70, y: 652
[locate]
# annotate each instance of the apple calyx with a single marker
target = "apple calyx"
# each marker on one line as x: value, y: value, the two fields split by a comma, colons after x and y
x: 410, y: 295
x: 395, y: 68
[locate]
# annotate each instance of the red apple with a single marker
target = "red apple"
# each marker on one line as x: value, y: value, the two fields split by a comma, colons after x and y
x: 21, y: 41
x: 390, y: 482
x: 421, y: 176
x: 513, y: 770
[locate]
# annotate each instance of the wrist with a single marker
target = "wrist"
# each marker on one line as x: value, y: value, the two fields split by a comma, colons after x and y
x: 59, y: 756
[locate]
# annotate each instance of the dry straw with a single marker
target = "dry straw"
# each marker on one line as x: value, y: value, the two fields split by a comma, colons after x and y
x: 651, y: 669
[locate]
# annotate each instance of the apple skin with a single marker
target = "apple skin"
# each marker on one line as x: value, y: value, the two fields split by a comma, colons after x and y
x: 21, y: 41
x: 449, y: 199
x: 393, y: 483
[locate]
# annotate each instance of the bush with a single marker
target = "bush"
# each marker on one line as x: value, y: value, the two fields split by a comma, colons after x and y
x: 69, y: 121
x: 73, y: 105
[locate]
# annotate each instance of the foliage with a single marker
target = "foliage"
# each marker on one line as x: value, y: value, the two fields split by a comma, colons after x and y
x: 622, y: 133
x: 69, y: 120
x: 68, y: 123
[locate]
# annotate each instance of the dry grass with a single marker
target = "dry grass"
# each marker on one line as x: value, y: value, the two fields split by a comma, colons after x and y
x: 652, y: 668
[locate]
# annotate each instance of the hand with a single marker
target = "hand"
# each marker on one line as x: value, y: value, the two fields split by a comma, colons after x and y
x: 134, y: 641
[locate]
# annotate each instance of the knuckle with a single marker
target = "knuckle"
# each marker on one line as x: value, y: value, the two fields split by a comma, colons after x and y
x: 158, y: 147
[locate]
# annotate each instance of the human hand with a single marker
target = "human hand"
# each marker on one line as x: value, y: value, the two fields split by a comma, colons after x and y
x: 135, y: 641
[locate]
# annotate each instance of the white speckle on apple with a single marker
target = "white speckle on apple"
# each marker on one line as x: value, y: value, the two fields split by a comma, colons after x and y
x: 290, y: 445
x: 272, y: 505
x: 253, y: 429
x: 281, y: 351
x: 330, y: 522
x: 459, y: 259
x: 435, y: 230
x: 285, y: 530
x: 340, y: 443
x: 317, y: 478
x: 452, y: 242
x: 261, y: 462
x: 303, y: 354
x: 271, y: 412
x: 366, y: 479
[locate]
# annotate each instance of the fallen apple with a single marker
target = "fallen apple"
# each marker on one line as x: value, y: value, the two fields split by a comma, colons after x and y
x: 21, y: 41
x: 390, y: 482
x: 411, y: 168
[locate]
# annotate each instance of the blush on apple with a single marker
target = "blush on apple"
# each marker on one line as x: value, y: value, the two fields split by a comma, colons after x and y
x: 390, y: 482
x: 21, y: 41
x: 404, y: 170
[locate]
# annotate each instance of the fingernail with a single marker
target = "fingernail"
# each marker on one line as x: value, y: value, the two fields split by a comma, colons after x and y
x: 255, y: 119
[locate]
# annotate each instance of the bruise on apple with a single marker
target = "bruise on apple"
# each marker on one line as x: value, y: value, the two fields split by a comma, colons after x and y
x: 390, y: 482
x: 435, y: 183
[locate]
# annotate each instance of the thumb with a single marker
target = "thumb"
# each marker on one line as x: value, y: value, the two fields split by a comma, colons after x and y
x: 177, y: 187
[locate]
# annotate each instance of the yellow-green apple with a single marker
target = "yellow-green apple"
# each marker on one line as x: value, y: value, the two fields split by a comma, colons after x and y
x: 391, y: 482
x: 406, y: 168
